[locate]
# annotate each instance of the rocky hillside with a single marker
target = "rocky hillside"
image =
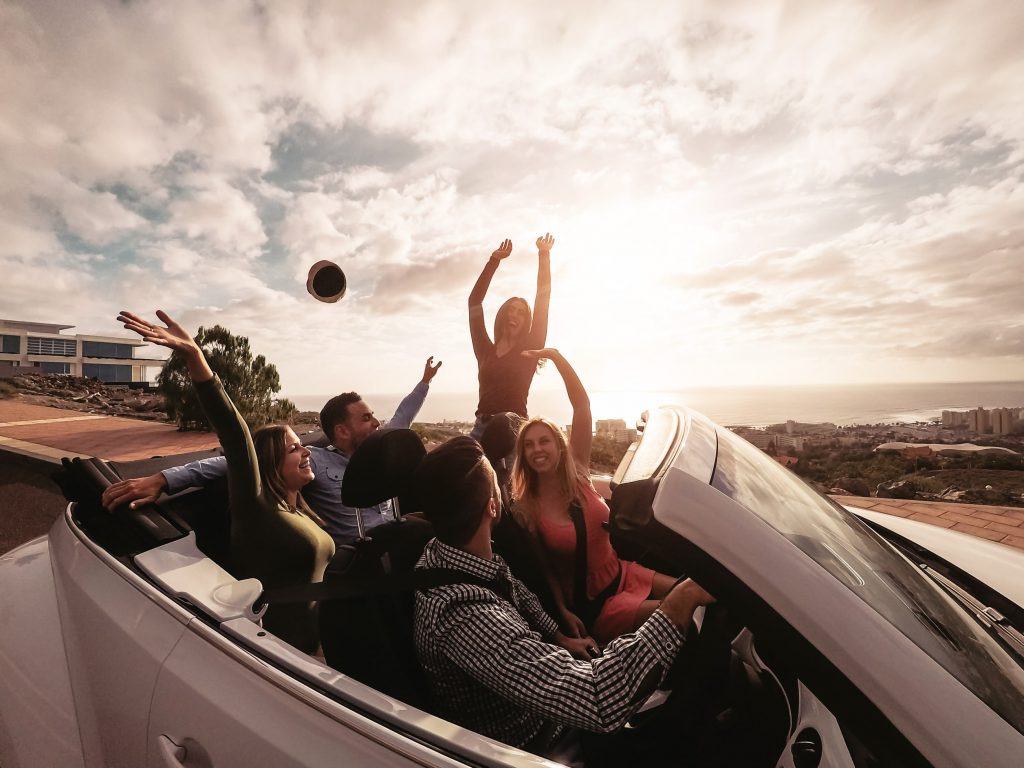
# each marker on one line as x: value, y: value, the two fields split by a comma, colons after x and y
x: 81, y: 394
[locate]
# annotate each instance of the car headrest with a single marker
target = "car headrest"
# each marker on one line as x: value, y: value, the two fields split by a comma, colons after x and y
x: 382, y: 467
x: 499, y: 437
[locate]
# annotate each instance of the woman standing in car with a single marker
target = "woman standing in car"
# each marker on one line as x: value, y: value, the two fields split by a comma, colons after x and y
x: 275, y: 536
x: 596, y: 592
x: 503, y: 374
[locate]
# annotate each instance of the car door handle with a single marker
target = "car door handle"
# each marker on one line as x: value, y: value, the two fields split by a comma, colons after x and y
x: 189, y: 753
x: 172, y: 754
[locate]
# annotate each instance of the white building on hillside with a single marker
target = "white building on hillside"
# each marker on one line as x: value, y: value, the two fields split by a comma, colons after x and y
x: 27, y: 347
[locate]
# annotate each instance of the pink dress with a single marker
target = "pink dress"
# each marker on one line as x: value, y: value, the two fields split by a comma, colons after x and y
x: 559, y: 541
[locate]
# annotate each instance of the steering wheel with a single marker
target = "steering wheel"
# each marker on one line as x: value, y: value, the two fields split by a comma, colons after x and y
x: 701, y: 670
x: 698, y: 682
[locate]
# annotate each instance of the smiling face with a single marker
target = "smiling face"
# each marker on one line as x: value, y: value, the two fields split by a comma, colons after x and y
x: 542, y: 450
x: 513, y: 320
x: 294, y: 467
x: 359, y: 424
x: 517, y: 318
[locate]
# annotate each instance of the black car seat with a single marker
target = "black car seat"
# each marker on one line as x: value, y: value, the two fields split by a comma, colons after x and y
x: 366, y: 626
x: 124, y: 531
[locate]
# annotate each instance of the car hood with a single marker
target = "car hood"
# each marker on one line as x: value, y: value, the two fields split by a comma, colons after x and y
x: 996, y: 565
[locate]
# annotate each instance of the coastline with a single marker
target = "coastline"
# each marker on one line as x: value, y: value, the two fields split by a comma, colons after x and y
x: 842, y: 405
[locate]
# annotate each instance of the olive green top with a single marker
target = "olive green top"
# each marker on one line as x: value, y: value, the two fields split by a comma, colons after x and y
x: 270, y: 541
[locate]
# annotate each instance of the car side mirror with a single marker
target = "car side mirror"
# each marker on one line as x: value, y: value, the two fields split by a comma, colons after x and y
x: 326, y: 282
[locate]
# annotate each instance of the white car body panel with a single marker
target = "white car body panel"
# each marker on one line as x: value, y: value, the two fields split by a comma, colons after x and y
x: 39, y: 726
x: 813, y: 714
x: 116, y: 639
x: 882, y: 662
x: 206, y: 698
x: 877, y: 658
x: 150, y: 677
x: 997, y: 565
x: 186, y: 573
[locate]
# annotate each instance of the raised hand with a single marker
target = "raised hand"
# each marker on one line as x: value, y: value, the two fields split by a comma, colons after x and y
x: 545, y: 243
x: 172, y: 335
x: 430, y: 370
x: 503, y: 250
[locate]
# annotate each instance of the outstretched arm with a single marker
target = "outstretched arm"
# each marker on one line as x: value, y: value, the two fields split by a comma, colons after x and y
x: 411, y: 403
x: 232, y: 431
x: 135, y: 492
x: 477, y: 329
x: 582, y: 422
x: 539, y: 329
x: 145, y: 490
x: 172, y: 336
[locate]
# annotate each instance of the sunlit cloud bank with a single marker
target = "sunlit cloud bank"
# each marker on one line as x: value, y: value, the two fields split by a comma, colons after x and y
x: 741, y: 192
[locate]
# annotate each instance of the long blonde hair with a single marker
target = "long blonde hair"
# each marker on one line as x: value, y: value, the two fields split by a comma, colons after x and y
x: 269, y: 443
x: 526, y: 481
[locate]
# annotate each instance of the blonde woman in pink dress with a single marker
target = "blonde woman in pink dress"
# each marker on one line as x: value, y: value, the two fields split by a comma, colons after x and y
x: 596, y: 592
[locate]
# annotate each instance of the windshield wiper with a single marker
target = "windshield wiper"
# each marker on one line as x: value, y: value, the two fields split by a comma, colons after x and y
x: 986, y: 615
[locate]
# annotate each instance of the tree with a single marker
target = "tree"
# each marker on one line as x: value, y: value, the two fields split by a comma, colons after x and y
x: 605, y: 453
x: 250, y: 382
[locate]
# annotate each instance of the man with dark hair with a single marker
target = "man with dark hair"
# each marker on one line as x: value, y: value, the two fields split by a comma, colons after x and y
x: 496, y: 661
x: 346, y: 421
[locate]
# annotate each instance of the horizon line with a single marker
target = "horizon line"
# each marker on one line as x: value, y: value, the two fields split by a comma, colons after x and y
x: 722, y: 386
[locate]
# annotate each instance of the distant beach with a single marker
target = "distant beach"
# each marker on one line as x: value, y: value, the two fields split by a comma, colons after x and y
x: 746, y: 406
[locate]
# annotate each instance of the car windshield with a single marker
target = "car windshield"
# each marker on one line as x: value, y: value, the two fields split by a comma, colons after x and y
x: 873, y: 571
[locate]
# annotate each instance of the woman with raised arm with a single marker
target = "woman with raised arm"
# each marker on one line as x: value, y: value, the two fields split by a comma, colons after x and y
x: 503, y: 373
x: 275, y: 536
x: 596, y: 592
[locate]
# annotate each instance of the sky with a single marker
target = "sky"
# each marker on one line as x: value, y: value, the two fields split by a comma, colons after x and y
x: 741, y: 193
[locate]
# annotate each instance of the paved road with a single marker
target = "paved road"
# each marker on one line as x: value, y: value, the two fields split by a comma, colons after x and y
x: 30, y: 500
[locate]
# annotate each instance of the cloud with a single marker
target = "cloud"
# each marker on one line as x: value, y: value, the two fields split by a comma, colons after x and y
x: 802, y: 177
x: 740, y: 299
x: 401, y: 287
x: 213, y: 211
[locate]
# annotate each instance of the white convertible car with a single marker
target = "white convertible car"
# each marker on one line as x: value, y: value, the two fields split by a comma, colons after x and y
x: 838, y: 640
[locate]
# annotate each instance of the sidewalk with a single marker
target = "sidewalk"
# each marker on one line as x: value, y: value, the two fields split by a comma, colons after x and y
x: 1002, y: 524
x: 45, y: 433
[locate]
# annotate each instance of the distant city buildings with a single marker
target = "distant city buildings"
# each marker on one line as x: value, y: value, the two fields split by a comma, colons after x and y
x: 616, y: 430
x: 764, y: 439
x: 27, y: 347
x: 997, y: 421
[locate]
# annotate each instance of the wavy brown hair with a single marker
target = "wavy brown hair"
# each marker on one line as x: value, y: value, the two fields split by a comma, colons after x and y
x: 501, y: 318
x: 269, y: 443
x: 526, y: 481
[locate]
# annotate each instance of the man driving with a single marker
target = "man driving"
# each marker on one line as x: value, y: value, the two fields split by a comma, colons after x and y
x: 496, y: 662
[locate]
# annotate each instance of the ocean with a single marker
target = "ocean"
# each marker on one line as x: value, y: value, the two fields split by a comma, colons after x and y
x: 746, y: 406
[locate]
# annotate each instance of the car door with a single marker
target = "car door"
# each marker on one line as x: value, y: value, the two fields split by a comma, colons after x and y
x: 116, y: 638
x: 216, y: 704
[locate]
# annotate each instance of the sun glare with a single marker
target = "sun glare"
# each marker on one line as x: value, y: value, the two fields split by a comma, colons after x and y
x: 622, y: 267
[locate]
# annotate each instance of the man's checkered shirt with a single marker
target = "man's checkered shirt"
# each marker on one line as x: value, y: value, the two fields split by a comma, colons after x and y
x: 493, y: 668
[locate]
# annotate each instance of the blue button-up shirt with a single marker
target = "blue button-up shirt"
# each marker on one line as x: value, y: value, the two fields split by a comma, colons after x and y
x: 323, y: 493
